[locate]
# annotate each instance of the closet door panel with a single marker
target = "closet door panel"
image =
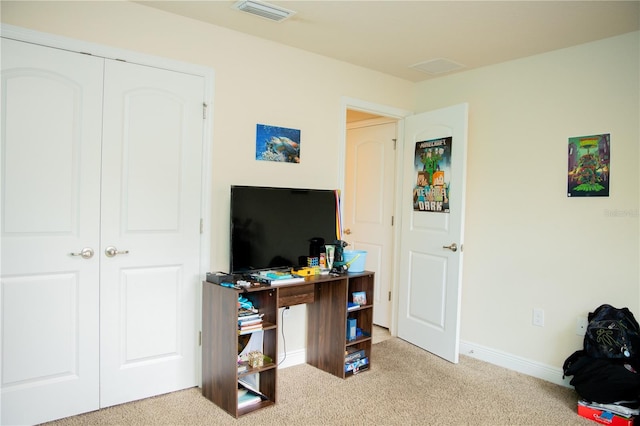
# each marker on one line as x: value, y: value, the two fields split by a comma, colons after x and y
x: 51, y: 136
x: 151, y: 207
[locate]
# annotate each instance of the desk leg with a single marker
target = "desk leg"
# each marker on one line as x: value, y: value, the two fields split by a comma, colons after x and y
x: 326, y: 327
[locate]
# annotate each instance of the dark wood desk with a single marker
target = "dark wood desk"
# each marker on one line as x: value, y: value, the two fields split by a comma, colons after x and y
x: 326, y: 298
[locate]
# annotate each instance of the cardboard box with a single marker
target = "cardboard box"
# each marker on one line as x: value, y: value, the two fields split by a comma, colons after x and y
x: 604, y: 417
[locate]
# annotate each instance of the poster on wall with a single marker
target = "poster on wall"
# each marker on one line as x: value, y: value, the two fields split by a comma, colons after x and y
x: 433, y: 175
x: 589, y: 166
x: 277, y: 144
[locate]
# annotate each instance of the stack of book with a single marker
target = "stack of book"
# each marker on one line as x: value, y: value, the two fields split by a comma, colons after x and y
x: 277, y: 277
x: 249, y: 320
x: 247, y: 397
x: 355, y: 361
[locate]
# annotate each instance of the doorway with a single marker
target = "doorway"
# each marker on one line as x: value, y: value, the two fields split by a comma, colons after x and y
x: 374, y: 124
x: 368, y: 222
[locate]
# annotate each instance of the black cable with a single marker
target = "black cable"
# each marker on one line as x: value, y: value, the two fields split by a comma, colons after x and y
x: 284, y: 342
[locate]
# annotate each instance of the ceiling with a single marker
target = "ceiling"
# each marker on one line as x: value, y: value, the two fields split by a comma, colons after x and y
x: 391, y: 36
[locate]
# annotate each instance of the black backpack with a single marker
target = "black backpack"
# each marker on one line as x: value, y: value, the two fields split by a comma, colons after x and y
x: 602, y: 380
x: 612, y: 333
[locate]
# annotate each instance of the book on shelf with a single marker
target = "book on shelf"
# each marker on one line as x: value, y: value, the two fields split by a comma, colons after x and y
x: 354, y: 355
x: 357, y: 365
x: 245, y: 312
x: 250, y: 321
x: 352, y: 306
x: 249, y: 329
x: 351, y: 328
x: 245, y: 316
x: 247, y: 398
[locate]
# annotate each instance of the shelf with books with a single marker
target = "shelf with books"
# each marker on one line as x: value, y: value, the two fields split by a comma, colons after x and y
x: 358, y: 348
x: 227, y: 312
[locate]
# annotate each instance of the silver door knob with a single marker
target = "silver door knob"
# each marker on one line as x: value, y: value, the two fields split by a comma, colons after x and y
x: 112, y: 251
x: 452, y: 247
x: 85, y: 253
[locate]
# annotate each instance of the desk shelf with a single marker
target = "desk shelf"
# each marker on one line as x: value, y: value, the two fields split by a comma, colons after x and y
x: 326, y: 298
x: 220, y: 377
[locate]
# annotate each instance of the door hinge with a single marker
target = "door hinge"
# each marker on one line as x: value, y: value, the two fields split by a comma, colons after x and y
x: 395, y: 141
x: 201, y: 226
x: 392, y: 220
x: 389, y: 296
x: 200, y: 338
x: 204, y: 111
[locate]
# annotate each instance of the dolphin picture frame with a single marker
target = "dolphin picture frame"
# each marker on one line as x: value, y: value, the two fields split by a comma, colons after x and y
x: 279, y: 144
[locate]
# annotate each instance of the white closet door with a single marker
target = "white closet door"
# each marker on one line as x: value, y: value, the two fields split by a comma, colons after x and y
x: 51, y: 130
x: 151, y: 195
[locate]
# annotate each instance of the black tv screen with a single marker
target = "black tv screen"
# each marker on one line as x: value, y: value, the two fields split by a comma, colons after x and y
x: 274, y: 227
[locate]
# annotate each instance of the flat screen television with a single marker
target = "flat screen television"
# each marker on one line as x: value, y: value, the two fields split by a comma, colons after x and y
x: 274, y: 227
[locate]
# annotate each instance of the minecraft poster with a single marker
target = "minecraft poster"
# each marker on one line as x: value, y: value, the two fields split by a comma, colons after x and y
x: 589, y: 163
x: 433, y: 175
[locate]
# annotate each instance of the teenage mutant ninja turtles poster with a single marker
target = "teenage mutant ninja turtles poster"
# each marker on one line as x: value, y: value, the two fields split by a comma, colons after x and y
x: 589, y: 162
x: 433, y: 175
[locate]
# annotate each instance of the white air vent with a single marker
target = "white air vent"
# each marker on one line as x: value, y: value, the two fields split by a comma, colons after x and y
x: 264, y: 10
x: 438, y: 66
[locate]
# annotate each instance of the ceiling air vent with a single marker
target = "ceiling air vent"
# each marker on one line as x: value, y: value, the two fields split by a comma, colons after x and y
x: 437, y: 66
x: 264, y: 10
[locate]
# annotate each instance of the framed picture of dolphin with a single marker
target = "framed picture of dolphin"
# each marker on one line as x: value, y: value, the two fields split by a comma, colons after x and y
x: 277, y: 144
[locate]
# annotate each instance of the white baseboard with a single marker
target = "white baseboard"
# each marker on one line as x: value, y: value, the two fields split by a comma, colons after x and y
x: 293, y: 358
x: 482, y: 353
x: 515, y: 363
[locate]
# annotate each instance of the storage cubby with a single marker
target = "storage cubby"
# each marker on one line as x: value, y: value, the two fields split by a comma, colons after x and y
x: 364, y: 321
x: 220, y: 377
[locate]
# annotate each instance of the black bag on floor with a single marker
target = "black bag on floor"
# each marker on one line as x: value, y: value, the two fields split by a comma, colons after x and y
x: 602, y: 380
x: 612, y: 333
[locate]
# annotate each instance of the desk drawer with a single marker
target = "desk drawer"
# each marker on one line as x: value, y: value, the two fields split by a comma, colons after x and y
x: 296, y: 295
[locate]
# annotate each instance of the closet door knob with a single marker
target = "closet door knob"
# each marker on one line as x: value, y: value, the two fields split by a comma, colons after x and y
x: 85, y: 253
x: 112, y: 251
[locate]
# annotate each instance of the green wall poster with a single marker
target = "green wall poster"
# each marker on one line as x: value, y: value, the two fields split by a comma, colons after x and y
x: 589, y: 166
x: 432, y: 164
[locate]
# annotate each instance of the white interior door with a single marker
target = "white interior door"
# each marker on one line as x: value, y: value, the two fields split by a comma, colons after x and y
x: 151, y: 204
x: 368, y: 208
x: 51, y: 132
x: 433, y: 194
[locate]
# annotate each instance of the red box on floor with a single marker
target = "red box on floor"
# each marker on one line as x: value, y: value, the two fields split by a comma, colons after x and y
x: 603, y: 416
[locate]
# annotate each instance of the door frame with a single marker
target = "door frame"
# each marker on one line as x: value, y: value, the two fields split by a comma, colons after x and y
x: 208, y: 75
x: 399, y: 115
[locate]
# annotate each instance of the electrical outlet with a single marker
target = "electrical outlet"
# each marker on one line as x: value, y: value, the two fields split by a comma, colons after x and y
x: 538, y: 317
x: 581, y: 326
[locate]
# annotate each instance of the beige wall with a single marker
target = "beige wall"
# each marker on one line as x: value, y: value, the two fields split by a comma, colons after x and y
x: 527, y: 245
x: 256, y: 81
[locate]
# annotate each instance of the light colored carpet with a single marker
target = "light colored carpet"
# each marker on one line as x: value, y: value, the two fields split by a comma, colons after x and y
x: 405, y: 386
